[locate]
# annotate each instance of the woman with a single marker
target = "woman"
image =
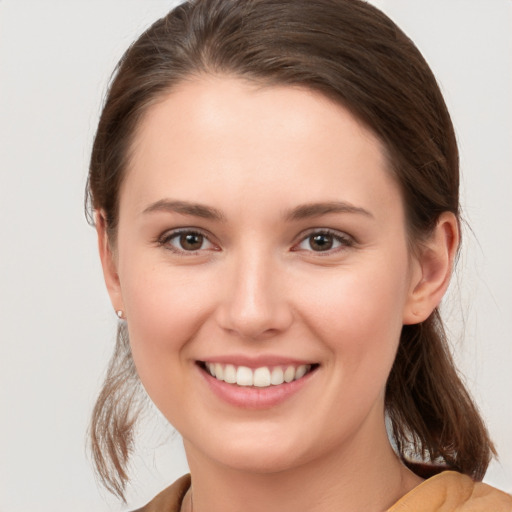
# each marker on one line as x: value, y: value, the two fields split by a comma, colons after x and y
x: 275, y: 190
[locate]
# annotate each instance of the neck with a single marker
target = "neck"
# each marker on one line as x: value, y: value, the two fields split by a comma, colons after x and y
x: 371, y: 481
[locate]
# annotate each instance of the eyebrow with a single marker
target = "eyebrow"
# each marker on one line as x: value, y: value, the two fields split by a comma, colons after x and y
x: 185, y: 208
x: 309, y: 210
x: 301, y: 212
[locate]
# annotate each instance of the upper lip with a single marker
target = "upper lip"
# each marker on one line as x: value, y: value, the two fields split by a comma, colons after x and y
x: 257, y: 361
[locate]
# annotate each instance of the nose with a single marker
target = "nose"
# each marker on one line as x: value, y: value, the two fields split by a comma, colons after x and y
x: 255, y: 303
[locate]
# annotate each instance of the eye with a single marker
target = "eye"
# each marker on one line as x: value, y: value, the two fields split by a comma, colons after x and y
x: 186, y: 241
x: 324, y: 241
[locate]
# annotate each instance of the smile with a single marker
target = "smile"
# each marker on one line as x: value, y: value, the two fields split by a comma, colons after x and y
x: 255, y: 385
x: 261, y: 377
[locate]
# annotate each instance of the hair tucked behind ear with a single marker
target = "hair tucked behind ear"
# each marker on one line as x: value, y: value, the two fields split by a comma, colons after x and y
x: 353, y: 53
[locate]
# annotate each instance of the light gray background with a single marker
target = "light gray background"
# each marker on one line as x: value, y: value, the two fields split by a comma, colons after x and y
x: 56, y: 323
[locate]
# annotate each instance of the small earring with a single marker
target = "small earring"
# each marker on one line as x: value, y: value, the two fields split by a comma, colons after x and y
x: 120, y: 314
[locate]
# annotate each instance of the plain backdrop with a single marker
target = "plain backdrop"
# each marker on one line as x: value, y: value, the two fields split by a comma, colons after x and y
x: 56, y: 323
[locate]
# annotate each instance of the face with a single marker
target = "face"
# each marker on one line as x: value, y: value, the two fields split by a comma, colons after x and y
x: 262, y: 239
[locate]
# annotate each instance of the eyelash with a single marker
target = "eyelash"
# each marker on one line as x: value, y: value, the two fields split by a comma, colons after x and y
x: 165, y: 239
x: 345, y: 241
x: 342, y: 239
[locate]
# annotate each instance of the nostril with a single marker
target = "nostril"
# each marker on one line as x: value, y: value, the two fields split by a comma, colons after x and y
x: 254, y: 323
x: 252, y: 303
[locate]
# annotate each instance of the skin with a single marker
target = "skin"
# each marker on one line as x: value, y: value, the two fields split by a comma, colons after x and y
x: 258, y: 288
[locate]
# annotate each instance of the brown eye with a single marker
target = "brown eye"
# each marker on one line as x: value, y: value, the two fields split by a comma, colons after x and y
x: 321, y: 242
x: 191, y: 241
x: 325, y: 241
x: 186, y: 241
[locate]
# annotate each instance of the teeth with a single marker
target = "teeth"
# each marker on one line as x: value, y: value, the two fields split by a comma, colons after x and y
x: 230, y: 374
x: 289, y: 374
x: 219, y: 371
x: 244, y: 376
x: 301, y: 371
x: 277, y: 376
x: 262, y: 377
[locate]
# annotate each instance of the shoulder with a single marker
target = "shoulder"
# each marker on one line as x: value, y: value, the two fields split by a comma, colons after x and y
x: 169, y: 500
x: 453, y: 492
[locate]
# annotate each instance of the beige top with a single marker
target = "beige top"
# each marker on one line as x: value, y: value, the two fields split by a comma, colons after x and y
x: 446, y: 492
x: 453, y: 492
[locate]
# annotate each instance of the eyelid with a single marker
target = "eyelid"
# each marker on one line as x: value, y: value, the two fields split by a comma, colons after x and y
x: 170, y: 234
x: 345, y: 240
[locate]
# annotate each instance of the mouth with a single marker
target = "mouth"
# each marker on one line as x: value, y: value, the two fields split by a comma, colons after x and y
x: 261, y: 377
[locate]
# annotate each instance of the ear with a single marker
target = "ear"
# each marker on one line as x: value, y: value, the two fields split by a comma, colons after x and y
x: 432, y: 269
x: 108, y: 262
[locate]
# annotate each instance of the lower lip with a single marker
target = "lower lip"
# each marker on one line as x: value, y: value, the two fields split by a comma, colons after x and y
x: 250, y: 397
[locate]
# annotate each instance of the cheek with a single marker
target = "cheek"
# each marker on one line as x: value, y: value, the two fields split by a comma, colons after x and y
x: 164, y: 310
x: 358, y: 301
x: 358, y: 315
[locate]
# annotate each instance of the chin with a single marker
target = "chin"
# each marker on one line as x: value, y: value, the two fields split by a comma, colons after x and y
x: 259, y: 461
x: 255, y: 451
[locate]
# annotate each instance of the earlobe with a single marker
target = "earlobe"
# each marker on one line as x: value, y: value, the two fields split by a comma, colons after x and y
x: 108, y: 262
x: 433, y: 269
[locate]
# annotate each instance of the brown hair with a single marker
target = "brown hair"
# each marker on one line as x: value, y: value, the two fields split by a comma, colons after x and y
x: 352, y: 52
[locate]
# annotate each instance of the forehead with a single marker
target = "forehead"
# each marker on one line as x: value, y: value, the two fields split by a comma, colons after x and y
x: 213, y: 103
x: 218, y: 135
